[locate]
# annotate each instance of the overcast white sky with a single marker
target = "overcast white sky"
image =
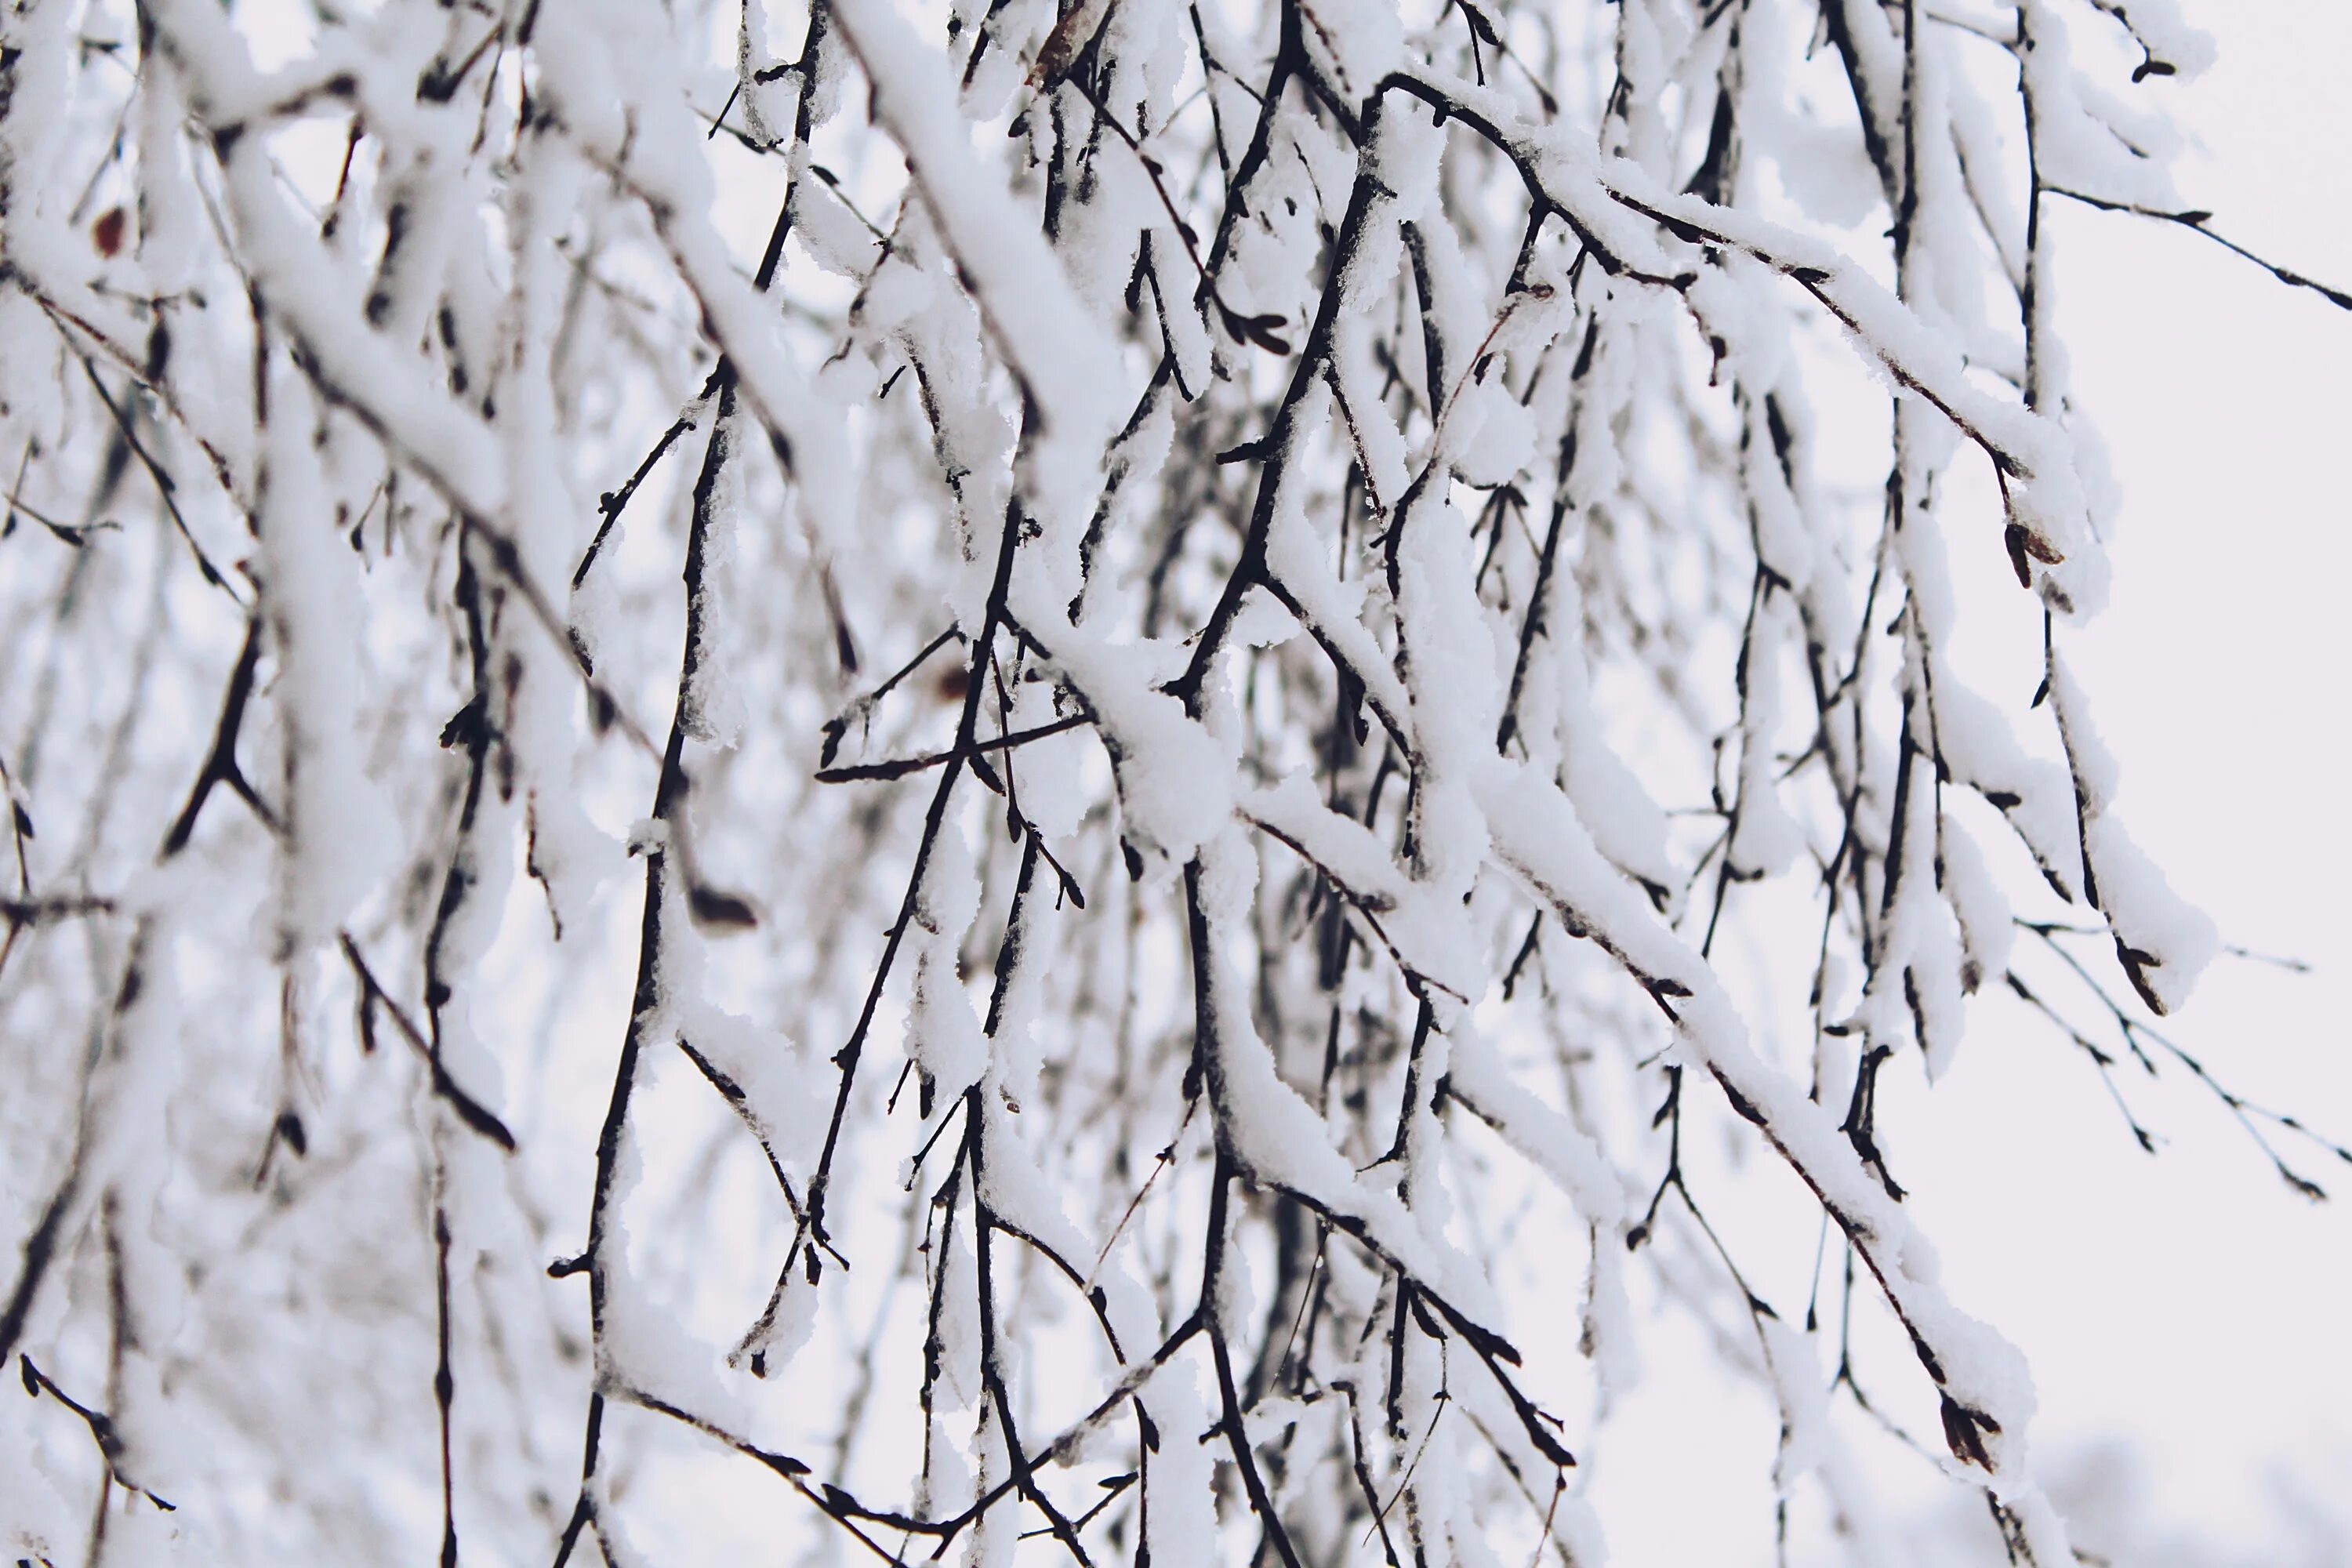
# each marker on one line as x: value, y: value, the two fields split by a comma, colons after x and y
x: 2192, y: 1300
x: 2191, y: 1304
x: 2221, y: 674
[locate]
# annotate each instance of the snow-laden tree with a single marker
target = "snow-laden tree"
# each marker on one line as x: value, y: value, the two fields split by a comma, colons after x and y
x: 1027, y: 784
